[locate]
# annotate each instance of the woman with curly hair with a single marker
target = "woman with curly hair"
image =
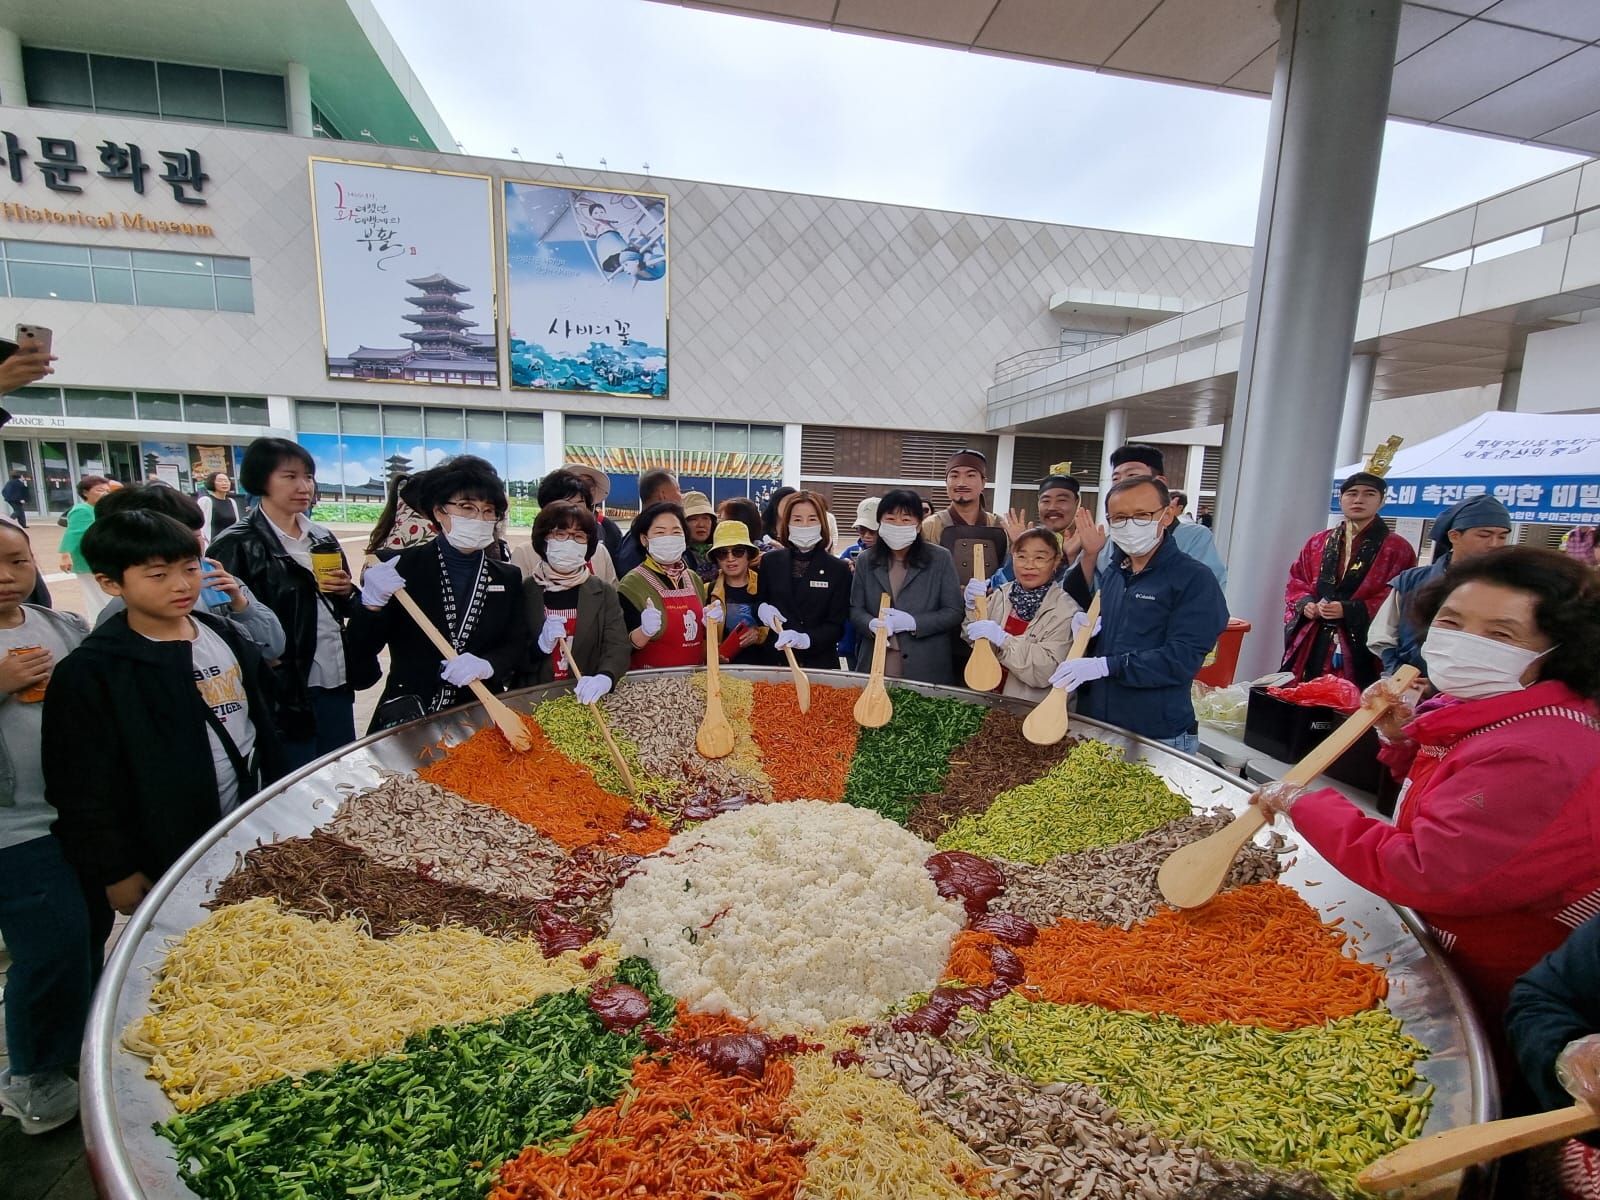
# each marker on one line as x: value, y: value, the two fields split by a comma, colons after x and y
x: 1496, y: 840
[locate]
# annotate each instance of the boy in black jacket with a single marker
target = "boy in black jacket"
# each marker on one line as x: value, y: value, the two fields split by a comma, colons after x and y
x: 156, y: 725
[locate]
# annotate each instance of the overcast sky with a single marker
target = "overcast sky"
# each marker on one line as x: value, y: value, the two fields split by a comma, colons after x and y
x: 735, y: 100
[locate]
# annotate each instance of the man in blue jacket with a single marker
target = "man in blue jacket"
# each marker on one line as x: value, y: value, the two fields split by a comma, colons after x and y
x: 1160, y: 612
x: 1138, y: 461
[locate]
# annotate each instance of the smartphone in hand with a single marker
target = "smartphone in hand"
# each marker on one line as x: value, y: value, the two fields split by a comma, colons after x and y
x: 34, y: 339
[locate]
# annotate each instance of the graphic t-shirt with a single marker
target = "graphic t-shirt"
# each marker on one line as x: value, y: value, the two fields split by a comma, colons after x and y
x: 25, y: 815
x: 221, y: 682
x: 563, y: 604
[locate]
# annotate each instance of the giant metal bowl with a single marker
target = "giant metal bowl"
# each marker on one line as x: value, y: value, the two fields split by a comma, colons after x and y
x: 120, y: 1106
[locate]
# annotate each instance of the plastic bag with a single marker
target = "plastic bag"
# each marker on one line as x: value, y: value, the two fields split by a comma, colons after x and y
x: 1329, y: 691
x: 1222, y: 708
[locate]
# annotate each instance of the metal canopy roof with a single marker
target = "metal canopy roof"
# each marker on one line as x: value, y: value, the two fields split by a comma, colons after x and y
x: 1527, y: 70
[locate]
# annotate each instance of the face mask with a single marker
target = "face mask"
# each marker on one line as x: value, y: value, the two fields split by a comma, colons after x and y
x: 468, y: 534
x: 567, y: 556
x: 667, y: 548
x: 898, y: 537
x: 805, y: 537
x: 1470, y: 667
x: 1134, y: 541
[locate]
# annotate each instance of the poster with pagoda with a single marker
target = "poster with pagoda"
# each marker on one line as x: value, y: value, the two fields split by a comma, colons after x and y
x: 405, y: 271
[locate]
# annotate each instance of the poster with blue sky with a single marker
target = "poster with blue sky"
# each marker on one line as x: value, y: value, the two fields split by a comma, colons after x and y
x: 587, y: 279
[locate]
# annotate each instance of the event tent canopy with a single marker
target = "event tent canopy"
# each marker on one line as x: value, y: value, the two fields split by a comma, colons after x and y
x: 1545, y: 468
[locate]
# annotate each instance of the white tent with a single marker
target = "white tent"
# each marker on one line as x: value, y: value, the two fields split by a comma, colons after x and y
x: 1545, y: 468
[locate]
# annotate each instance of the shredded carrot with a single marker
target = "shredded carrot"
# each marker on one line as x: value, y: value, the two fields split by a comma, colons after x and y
x: 680, y: 1131
x: 1258, y: 955
x: 806, y: 755
x: 549, y: 791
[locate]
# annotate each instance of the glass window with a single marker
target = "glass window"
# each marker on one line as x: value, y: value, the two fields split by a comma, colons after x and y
x: 315, y: 416
x: 164, y: 289
x: 660, y: 435
x: 231, y: 266
x: 211, y: 409
x: 527, y: 428
x: 109, y: 256
x: 123, y: 85
x: 160, y: 406
x: 51, y: 281
x: 254, y: 99
x: 83, y: 402
x: 235, y: 295
x: 358, y: 419
x: 402, y: 422
x: 156, y: 260
x: 694, y: 435
x: 192, y: 93
x: 442, y: 422
x: 34, y: 402
x: 247, y: 410
x: 585, y: 431
x: 56, y: 79
x: 486, y: 426
x: 112, y: 286
x: 766, y: 439
x: 622, y: 433
x: 45, y: 252
x: 730, y: 439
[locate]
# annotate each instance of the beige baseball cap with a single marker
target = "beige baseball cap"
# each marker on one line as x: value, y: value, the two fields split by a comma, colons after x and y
x: 697, y: 504
x: 867, y: 513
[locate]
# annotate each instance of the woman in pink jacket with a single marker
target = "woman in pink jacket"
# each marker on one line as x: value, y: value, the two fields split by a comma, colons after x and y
x: 1496, y: 840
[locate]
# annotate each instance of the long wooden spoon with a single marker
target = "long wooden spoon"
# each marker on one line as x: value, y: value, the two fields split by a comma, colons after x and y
x: 983, y: 672
x: 715, y: 739
x: 873, y: 707
x: 1047, y: 723
x: 1194, y: 873
x: 1431, y: 1156
x: 802, y: 685
x: 599, y: 719
x: 508, y: 720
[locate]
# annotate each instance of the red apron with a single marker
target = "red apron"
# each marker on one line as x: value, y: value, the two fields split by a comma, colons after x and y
x: 558, y: 656
x: 682, y: 640
x: 1016, y: 627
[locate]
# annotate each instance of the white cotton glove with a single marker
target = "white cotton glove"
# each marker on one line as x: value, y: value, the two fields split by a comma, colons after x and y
x: 769, y: 616
x: 650, y: 620
x: 379, y: 582
x: 464, y: 668
x: 1277, y: 798
x: 974, y: 589
x: 1076, y: 672
x: 1578, y: 1069
x: 1080, y: 619
x: 898, y: 622
x: 986, y: 629
x: 591, y: 687
x: 555, y: 628
x: 793, y: 639
x: 713, y: 612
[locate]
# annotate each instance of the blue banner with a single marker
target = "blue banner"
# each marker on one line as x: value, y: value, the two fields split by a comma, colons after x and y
x: 1547, y: 500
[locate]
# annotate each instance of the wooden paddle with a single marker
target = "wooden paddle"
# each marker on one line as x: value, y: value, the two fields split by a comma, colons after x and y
x: 509, y: 722
x: 873, y: 707
x: 1047, y: 723
x: 715, y: 739
x: 802, y: 685
x: 599, y: 719
x: 1431, y: 1156
x: 983, y: 672
x: 1194, y: 873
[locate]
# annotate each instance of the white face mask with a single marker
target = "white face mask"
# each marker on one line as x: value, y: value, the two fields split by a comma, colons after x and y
x: 666, y: 548
x: 566, y: 556
x: 1470, y: 667
x: 898, y: 537
x: 804, y: 537
x: 469, y: 534
x: 1135, y: 541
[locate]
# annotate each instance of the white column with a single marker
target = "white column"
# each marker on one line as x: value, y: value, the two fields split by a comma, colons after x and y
x: 1357, y: 405
x: 1330, y: 99
x: 1112, y: 437
x: 1510, y: 390
x: 1193, y: 469
x: 297, y: 81
x: 280, y: 414
x: 1005, y: 466
x: 13, y: 87
x: 792, y: 438
x: 555, y: 439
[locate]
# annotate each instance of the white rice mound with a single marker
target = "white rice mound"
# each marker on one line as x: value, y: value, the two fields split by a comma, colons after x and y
x: 827, y: 913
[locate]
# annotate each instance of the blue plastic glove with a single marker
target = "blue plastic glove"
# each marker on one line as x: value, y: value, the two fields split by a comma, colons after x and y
x: 591, y: 687
x: 769, y: 616
x: 464, y: 668
x: 1076, y: 672
x: 1080, y: 619
x: 986, y: 629
x: 713, y: 612
x: 974, y: 589
x: 793, y: 639
x: 898, y: 622
x: 555, y: 628
x: 379, y: 582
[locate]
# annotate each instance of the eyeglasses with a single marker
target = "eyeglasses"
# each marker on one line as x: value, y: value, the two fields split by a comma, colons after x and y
x: 1137, y: 520
x: 481, y: 512
x: 567, y: 535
